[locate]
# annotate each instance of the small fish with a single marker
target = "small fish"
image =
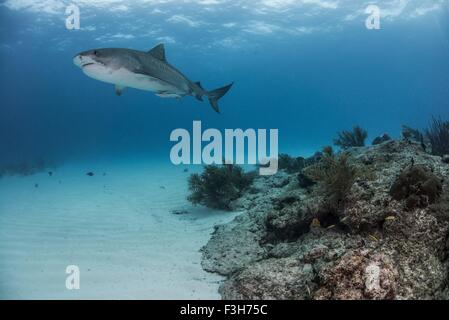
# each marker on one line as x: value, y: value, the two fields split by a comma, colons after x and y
x: 344, y: 219
x: 331, y: 227
x: 179, y: 211
x: 315, y: 223
x: 390, y: 218
x: 373, y: 238
x: 90, y: 174
x: 50, y: 173
x: 36, y: 185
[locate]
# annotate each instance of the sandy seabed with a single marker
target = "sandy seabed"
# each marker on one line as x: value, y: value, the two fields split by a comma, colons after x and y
x: 117, y: 228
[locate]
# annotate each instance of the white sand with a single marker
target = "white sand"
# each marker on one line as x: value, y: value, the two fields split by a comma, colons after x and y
x: 117, y: 228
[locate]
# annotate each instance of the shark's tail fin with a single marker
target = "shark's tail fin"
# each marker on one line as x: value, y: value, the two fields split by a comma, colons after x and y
x: 216, y: 94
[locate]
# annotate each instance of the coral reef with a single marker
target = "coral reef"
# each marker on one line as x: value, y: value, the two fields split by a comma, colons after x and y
x: 438, y: 136
x: 445, y: 159
x: 359, y: 274
x: 381, y: 139
x: 386, y: 240
x: 334, y: 175
x: 217, y: 186
x: 354, y: 138
x: 304, y: 181
x: 418, y: 186
x: 412, y: 134
x: 290, y: 164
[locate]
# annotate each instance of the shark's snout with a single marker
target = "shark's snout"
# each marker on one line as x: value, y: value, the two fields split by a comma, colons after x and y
x: 82, y: 59
x: 78, y: 60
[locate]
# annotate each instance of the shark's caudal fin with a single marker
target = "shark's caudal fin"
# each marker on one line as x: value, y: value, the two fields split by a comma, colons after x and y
x: 216, y: 94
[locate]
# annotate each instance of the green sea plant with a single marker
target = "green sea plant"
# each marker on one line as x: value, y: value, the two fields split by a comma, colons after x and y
x: 348, y: 139
x: 217, y: 186
x: 335, y: 175
x: 384, y: 137
x: 438, y: 136
x: 418, y: 186
x: 409, y: 133
x: 328, y: 151
x: 290, y: 164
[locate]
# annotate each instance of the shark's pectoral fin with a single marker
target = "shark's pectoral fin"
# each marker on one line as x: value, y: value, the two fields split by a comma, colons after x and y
x: 118, y: 89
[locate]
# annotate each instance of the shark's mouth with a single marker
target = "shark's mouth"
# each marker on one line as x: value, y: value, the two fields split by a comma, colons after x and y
x: 87, y: 64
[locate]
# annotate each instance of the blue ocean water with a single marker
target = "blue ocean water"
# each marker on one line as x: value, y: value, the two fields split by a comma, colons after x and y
x: 308, y: 68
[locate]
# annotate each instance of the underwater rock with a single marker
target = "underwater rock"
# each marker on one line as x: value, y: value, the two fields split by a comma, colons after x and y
x: 418, y: 186
x: 304, y: 181
x: 281, y: 279
x: 287, y: 224
x: 445, y: 159
x: 375, y: 245
x: 263, y: 191
x: 359, y: 274
x: 381, y: 139
x: 314, y: 159
x: 232, y: 247
x: 416, y: 241
x: 291, y: 269
x: 290, y: 164
x: 440, y: 209
x: 236, y: 244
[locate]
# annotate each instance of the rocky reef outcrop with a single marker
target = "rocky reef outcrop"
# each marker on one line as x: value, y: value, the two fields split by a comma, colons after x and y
x: 387, y: 237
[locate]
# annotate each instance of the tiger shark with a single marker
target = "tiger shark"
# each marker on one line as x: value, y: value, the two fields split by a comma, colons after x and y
x: 148, y: 71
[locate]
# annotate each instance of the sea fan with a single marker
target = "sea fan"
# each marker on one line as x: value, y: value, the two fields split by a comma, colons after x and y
x: 354, y: 138
x: 438, y: 136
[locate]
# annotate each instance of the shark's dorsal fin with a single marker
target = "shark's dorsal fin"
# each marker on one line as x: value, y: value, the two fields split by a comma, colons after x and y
x: 158, y: 52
